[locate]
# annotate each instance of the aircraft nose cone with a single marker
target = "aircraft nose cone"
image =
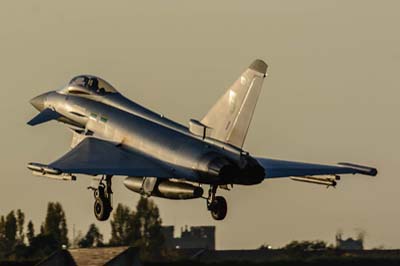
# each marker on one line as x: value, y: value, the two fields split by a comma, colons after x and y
x: 38, y: 101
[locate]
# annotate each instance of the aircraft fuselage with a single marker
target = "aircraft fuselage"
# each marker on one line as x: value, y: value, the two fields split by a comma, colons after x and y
x: 132, y: 126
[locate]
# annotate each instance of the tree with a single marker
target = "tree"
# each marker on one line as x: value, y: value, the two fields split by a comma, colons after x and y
x: 30, y: 234
x: 3, y: 244
x: 302, y: 246
x: 148, y: 227
x: 141, y: 228
x: 20, y: 227
x: 55, y: 223
x: 92, y: 238
x: 122, y: 227
x: 11, y: 230
x: 42, y: 246
x: 8, y: 233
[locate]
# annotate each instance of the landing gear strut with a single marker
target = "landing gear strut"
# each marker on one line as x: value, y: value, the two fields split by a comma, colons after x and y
x: 102, y: 196
x: 216, y: 204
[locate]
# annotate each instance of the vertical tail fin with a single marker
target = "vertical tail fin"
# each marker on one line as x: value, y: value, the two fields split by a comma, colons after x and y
x: 230, y: 117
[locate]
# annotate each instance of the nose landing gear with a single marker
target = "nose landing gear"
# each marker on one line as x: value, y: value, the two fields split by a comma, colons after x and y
x: 216, y: 204
x: 103, y: 195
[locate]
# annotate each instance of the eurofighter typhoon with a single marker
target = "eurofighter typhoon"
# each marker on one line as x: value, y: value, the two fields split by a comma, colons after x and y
x: 114, y: 136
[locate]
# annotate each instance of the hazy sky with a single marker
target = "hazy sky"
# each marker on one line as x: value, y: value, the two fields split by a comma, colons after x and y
x: 332, y: 95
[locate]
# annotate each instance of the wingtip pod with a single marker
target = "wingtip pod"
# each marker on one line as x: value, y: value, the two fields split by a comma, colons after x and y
x: 365, y: 170
x: 259, y: 66
x: 43, y: 170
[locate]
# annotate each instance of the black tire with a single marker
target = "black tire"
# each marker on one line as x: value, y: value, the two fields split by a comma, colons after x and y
x: 219, y: 208
x: 102, y: 209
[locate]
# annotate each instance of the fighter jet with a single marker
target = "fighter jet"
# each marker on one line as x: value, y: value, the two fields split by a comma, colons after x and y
x: 114, y: 136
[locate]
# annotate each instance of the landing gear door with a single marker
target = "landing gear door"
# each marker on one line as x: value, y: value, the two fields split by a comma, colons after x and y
x: 148, y: 185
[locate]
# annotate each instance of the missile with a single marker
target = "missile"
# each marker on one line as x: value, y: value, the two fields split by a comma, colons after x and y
x: 64, y: 177
x: 38, y: 167
x: 43, y: 170
x: 319, y: 180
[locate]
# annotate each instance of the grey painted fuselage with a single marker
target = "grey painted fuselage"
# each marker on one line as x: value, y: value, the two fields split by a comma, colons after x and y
x: 188, y: 156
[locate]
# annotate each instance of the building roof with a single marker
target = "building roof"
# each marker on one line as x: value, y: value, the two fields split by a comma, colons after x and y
x: 107, y: 256
x: 95, y: 256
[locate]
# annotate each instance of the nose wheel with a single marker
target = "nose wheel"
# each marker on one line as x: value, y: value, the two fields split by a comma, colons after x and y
x: 103, y: 195
x: 216, y: 204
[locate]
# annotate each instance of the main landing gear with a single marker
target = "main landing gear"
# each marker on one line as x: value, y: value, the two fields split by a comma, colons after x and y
x: 216, y: 204
x: 103, y: 195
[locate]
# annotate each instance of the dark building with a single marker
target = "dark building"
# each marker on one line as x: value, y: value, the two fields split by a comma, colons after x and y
x: 349, y: 243
x: 194, y: 237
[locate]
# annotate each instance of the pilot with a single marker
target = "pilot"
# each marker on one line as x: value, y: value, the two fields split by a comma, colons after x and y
x: 101, y: 91
x: 93, y: 84
x: 85, y: 81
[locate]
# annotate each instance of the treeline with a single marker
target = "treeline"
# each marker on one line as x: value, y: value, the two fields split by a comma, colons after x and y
x: 140, y: 227
x: 15, y: 243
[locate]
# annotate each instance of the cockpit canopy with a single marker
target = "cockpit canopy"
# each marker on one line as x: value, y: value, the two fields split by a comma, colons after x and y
x: 89, y: 85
